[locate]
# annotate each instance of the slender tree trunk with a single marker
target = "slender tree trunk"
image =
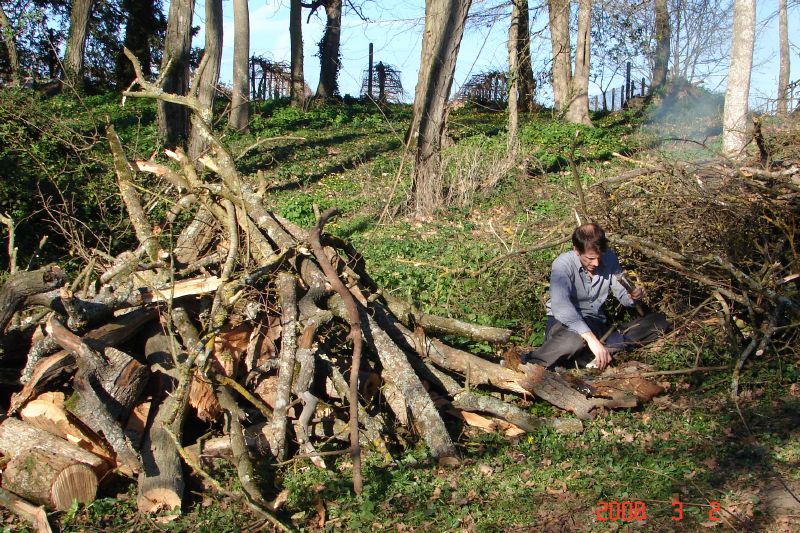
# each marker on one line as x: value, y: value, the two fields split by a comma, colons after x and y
x: 8, y: 38
x: 662, y: 35
x: 208, y: 75
x: 444, y: 28
x: 328, y: 86
x: 76, y: 42
x: 526, y: 84
x: 734, y: 134
x: 240, y: 102
x: 560, y: 42
x: 783, y: 72
x: 173, y: 119
x: 297, y: 87
x: 676, y: 39
x: 578, y: 108
x: 513, y: 78
x: 139, y: 29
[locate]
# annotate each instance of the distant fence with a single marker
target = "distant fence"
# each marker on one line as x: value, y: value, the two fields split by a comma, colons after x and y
x: 769, y: 106
x: 617, y: 98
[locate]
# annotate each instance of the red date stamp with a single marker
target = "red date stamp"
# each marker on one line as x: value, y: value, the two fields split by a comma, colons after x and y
x: 631, y: 511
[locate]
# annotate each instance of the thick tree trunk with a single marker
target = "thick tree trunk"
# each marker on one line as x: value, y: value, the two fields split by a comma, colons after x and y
x: 76, y: 42
x: 444, y: 27
x: 662, y: 36
x: 328, y: 86
x: 297, y: 86
x: 735, y: 135
x: 18, y: 437
x: 50, y: 479
x: 240, y: 101
x: 173, y: 119
x: 526, y: 83
x: 560, y: 43
x: 578, y: 108
x: 140, y: 28
x: 513, y: 82
x: 783, y: 72
x: 11, y: 46
x: 206, y: 89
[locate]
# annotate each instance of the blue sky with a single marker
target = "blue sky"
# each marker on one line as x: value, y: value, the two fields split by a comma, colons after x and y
x: 396, y: 33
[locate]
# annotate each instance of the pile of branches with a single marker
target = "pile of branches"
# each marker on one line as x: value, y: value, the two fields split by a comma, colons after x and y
x: 716, y: 235
x: 248, y: 323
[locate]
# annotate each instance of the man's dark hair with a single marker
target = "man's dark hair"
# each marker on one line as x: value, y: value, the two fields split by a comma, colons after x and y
x: 589, y: 237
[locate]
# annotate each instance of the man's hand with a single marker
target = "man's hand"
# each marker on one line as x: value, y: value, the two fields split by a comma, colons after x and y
x: 637, y: 293
x: 602, y: 357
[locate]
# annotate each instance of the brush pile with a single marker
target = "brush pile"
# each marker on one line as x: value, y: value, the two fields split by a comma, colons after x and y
x: 246, y: 323
x: 717, y: 236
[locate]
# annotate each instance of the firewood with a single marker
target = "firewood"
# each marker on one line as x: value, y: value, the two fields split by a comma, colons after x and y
x: 47, y: 412
x: 33, y: 514
x: 288, y: 298
x: 50, y: 479
x: 17, y: 437
x: 19, y: 286
x: 161, y: 484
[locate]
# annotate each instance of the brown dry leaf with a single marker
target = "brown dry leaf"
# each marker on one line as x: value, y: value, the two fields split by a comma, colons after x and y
x: 486, y: 470
x: 280, y: 499
x: 321, y: 512
x: 710, y: 463
x: 437, y: 492
x: 561, y: 489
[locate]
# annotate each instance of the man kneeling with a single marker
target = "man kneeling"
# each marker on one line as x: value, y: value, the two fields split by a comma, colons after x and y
x: 579, y: 285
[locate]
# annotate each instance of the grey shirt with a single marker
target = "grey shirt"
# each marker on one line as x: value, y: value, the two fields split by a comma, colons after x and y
x: 574, y: 296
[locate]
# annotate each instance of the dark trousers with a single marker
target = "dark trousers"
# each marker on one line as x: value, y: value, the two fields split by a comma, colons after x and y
x: 562, y: 343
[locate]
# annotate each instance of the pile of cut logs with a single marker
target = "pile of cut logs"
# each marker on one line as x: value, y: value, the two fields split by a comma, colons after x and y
x: 273, y: 335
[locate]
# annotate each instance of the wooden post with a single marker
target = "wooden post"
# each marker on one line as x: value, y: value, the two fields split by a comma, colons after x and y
x: 627, y: 95
x: 613, y: 99
x: 643, y: 87
x: 369, y: 75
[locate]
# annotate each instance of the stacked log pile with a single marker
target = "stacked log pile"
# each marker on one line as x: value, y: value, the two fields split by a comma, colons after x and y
x: 243, y: 321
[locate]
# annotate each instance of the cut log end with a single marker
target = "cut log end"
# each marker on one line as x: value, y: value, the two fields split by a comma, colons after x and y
x: 158, y: 499
x: 76, y: 482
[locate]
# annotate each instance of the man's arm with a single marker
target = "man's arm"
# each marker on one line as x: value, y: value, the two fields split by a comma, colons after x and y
x: 561, y: 283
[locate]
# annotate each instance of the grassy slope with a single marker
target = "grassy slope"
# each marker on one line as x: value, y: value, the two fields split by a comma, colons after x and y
x: 690, y: 443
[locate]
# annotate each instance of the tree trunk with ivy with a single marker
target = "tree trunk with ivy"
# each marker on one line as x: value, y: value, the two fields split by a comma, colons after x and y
x: 329, y: 61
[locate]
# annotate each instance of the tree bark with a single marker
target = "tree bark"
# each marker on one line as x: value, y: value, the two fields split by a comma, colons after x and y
x: 240, y: 101
x: 141, y: 26
x: 49, y: 479
x: 514, y: 75
x: 173, y: 119
x: 526, y: 84
x: 560, y: 44
x: 663, y: 37
x: 76, y: 42
x: 11, y: 46
x: 329, y: 61
x: 297, y: 86
x: 783, y: 72
x: 578, y: 109
x: 734, y: 134
x: 208, y: 75
x: 288, y: 299
x: 444, y: 28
